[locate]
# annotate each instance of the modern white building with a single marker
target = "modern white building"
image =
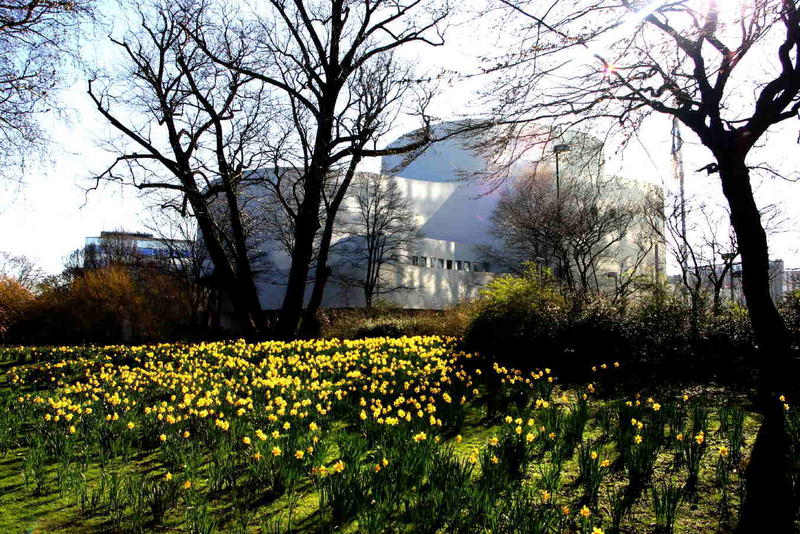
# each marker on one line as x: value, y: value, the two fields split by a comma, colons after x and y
x: 452, y: 202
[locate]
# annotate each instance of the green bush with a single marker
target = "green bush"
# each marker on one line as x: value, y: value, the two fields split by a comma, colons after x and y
x: 598, y: 324
x: 660, y: 332
x: 732, y: 345
x: 529, y: 321
x: 790, y: 309
x: 388, y: 321
x: 521, y: 319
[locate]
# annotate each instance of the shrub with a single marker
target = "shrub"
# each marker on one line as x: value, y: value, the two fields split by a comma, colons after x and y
x: 598, y: 324
x: 789, y: 307
x: 659, y: 329
x: 108, y: 304
x: 15, y: 300
x: 731, y: 345
x: 520, y: 319
x: 527, y: 322
x: 388, y: 321
x: 392, y: 327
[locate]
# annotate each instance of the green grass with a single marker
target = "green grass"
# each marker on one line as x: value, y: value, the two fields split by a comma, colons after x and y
x: 21, y: 510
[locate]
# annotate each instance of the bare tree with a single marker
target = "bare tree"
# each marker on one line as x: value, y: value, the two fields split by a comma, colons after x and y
x: 641, y: 267
x: 379, y: 237
x: 630, y: 59
x: 189, y: 130
x: 117, y: 248
x: 185, y: 259
x: 326, y: 62
x: 694, y: 242
x: 620, y: 61
x: 699, y: 237
x: 21, y: 269
x: 577, y: 231
x: 720, y: 242
x: 36, y: 39
x: 378, y: 88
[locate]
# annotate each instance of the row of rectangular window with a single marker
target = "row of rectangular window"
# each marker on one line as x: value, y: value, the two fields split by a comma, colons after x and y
x: 457, y: 265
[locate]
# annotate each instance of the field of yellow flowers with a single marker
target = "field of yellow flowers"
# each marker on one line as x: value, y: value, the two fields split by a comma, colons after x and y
x: 374, y: 435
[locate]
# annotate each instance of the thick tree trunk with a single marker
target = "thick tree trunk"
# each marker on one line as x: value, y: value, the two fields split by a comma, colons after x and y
x: 306, y: 227
x: 768, y: 326
x: 248, y: 301
x: 247, y: 291
x: 717, y: 306
x: 368, y: 296
x: 310, y: 326
x: 768, y: 499
x: 307, y: 221
x: 242, y: 294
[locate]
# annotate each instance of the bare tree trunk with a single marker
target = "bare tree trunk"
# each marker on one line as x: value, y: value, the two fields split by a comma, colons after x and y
x: 307, y: 221
x: 321, y: 274
x: 369, y: 285
x: 698, y: 305
x: 310, y: 326
x: 768, y: 500
x: 244, y: 274
x: 368, y: 296
x: 717, y: 306
x: 768, y: 325
x: 306, y: 227
x: 718, y: 285
x: 243, y: 297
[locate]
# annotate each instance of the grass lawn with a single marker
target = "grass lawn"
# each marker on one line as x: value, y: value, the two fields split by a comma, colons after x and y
x: 381, y: 435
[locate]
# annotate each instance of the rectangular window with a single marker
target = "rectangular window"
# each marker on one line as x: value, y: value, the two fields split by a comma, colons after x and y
x: 467, y: 266
x: 486, y: 267
x: 476, y: 266
x: 423, y: 261
x: 414, y: 260
x: 458, y: 265
x: 440, y: 263
x: 449, y: 264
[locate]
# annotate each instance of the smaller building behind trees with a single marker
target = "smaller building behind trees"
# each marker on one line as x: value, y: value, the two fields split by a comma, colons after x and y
x: 121, y: 287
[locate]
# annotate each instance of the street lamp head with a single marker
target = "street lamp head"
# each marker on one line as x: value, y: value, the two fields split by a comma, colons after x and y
x: 558, y: 149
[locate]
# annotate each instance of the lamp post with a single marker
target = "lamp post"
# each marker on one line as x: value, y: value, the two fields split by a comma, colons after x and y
x: 539, y: 260
x: 615, y: 276
x: 379, y: 254
x: 728, y: 257
x: 558, y: 149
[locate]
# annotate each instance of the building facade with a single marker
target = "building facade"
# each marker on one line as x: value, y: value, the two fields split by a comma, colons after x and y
x: 452, y: 191
x: 781, y: 281
x: 135, y: 243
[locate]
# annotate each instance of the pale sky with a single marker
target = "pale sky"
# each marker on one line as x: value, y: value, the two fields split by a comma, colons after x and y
x: 49, y: 214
